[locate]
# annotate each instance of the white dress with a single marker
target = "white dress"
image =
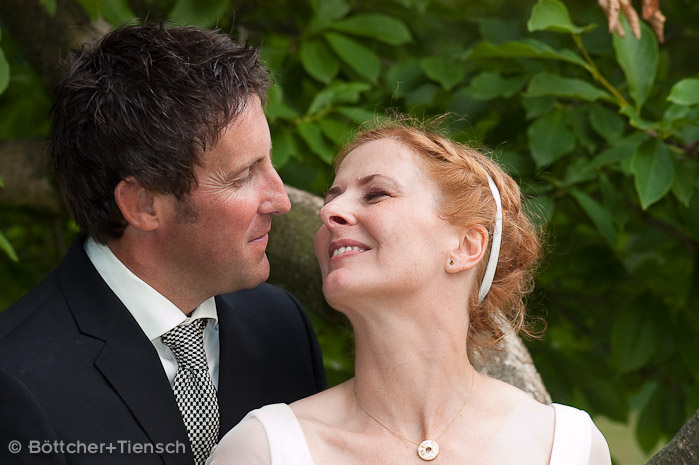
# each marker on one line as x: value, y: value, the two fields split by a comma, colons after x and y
x: 272, y: 435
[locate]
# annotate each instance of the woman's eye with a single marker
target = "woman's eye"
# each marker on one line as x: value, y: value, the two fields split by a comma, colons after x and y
x: 373, y: 195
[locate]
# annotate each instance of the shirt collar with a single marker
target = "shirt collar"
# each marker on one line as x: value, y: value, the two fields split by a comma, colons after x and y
x: 153, y: 312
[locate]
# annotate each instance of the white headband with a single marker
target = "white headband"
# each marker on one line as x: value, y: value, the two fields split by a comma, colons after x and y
x: 495, y: 249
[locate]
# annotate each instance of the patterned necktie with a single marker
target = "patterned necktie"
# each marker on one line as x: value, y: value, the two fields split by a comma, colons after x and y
x: 194, y: 389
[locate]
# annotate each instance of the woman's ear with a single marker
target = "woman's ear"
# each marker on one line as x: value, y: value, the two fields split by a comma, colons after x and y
x: 470, y: 251
x: 137, y: 204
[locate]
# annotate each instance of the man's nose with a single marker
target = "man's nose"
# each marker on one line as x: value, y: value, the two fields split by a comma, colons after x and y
x: 277, y: 202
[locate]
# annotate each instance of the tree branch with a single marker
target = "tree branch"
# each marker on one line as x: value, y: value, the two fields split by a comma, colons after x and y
x: 28, y: 182
x: 46, y: 40
x: 669, y: 229
x: 683, y: 449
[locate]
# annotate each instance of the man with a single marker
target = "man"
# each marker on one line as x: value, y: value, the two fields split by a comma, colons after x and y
x: 136, y: 349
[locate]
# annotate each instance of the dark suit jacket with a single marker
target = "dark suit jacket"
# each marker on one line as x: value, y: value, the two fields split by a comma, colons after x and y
x: 79, y: 376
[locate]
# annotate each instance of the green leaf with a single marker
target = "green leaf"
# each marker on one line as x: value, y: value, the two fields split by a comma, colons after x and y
x: 336, y: 131
x: 381, y: 27
x: 539, y: 209
x: 613, y: 155
x: 116, y: 12
x: 2, y: 183
x: 664, y: 409
x: 579, y: 122
x: 639, y: 60
x: 7, y: 247
x: 337, y: 92
x: 614, y: 201
x: 330, y: 10
x: 276, y: 108
x: 685, y: 181
x: 515, y: 163
x: 537, y: 106
x: 419, y: 5
x: 358, y: 57
x: 319, y: 61
x: 284, y: 146
x: 599, y: 216
x: 676, y: 112
x: 313, y: 136
x: 654, y: 171
x: 93, y: 8
x: 622, y: 150
x: 4, y: 72
x: 525, y: 48
x: 607, y: 123
x: 550, y: 138
x: 551, y: 84
x: 201, y: 13
x: 358, y: 115
x: 578, y: 170
x: 552, y: 15
x: 489, y: 85
x: 403, y: 77
x: 685, y: 92
x: 691, y: 215
x: 634, y: 334
x: 636, y: 120
x: 49, y: 6
x: 648, y: 428
x: 446, y: 71
x: 499, y: 30
x: 275, y: 52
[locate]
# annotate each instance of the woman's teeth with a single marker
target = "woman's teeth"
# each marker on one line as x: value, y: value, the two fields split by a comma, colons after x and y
x: 342, y: 250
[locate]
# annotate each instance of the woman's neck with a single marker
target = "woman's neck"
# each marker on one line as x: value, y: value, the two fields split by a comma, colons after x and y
x: 413, y: 374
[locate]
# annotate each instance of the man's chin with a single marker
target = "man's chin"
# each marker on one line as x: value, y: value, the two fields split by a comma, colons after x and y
x: 260, y: 275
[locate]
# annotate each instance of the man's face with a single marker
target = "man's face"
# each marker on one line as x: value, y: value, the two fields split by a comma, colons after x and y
x: 217, y: 236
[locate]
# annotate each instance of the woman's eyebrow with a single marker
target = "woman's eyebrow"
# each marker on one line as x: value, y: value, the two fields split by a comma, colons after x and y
x: 367, y: 179
x: 332, y: 192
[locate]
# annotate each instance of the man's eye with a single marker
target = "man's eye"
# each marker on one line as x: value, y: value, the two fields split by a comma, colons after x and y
x: 242, y: 178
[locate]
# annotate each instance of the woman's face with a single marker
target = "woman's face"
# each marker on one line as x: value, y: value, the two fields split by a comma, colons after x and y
x: 381, y: 233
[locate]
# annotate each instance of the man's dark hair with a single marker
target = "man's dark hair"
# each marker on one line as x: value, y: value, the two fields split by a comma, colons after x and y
x: 145, y: 101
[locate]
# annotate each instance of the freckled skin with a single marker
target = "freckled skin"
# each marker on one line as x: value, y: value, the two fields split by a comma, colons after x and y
x: 382, y: 199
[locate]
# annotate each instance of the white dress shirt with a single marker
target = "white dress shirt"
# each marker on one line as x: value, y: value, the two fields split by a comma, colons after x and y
x: 154, y: 313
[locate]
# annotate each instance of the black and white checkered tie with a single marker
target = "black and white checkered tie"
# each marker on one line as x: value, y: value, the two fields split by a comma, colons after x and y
x: 194, y: 389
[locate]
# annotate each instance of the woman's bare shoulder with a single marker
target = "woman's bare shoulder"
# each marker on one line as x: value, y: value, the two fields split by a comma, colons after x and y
x: 324, y: 406
x: 523, y: 423
x: 512, y: 398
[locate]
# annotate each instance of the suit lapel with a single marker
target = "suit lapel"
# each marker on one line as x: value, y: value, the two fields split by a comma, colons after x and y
x: 240, y: 382
x: 131, y: 364
x: 128, y: 360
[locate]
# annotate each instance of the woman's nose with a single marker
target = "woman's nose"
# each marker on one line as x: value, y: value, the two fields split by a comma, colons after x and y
x: 335, y: 213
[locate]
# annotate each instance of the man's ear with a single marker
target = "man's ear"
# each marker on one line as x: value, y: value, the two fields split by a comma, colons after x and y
x: 137, y: 204
x: 471, y: 249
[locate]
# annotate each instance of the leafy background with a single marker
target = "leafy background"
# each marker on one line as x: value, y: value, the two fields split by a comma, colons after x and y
x: 600, y: 131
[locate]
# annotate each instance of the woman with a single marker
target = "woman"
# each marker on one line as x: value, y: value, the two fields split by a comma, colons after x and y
x: 425, y: 248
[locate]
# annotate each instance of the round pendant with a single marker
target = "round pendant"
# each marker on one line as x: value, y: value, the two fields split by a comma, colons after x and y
x: 428, y: 450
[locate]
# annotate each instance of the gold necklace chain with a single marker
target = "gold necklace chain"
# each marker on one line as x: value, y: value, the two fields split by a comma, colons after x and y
x: 427, y: 449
